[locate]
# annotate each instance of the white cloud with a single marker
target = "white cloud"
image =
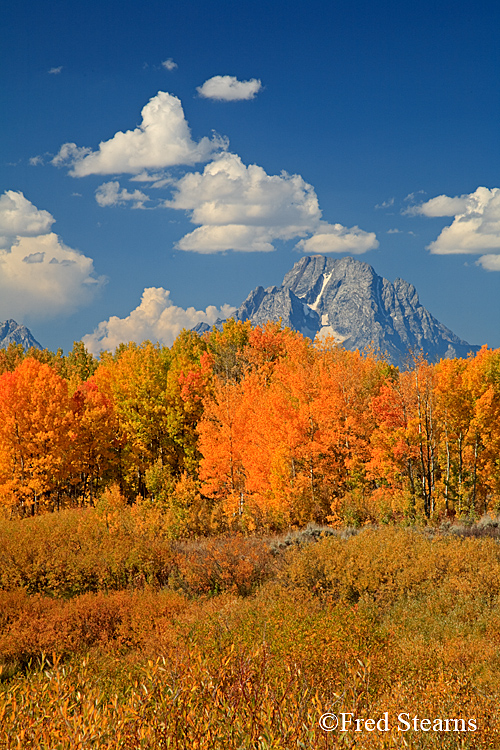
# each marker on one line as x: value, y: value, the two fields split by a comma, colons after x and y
x: 39, y: 275
x: 163, y: 139
x: 228, y: 192
x: 169, y: 64
x: 442, y: 205
x: 242, y: 208
x: 215, y: 239
x: 151, y: 177
x: 156, y: 318
x: 109, y: 194
x: 334, y: 238
x: 489, y: 262
x: 70, y: 153
x: 229, y: 89
x: 475, y: 228
x: 19, y: 217
x: 156, y: 179
x: 236, y: 207
x: 55, y: 71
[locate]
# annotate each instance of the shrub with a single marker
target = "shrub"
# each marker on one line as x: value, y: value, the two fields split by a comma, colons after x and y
x: 235, y: 564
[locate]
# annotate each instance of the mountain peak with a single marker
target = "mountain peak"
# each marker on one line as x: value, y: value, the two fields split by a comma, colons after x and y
x: 14, y: 333
x: 346, y: 299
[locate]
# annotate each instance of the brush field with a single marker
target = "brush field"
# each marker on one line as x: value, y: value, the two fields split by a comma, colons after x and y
x: 114, y: 636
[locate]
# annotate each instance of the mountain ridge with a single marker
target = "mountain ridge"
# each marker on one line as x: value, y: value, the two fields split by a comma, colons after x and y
x: 345, y: 298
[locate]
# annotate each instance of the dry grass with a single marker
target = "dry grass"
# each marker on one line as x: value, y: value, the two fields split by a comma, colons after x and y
x: 241, y: 648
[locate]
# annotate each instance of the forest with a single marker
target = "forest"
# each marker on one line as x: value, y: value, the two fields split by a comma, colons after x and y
x: 249, y: 430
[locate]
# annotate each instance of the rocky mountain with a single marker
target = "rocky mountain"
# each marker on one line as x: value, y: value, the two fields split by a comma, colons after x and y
x: 13, y: 333
x: 346, y: 299
x: 274, y: 303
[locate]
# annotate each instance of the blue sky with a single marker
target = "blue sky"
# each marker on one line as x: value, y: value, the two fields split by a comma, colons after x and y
x: 235, y: 137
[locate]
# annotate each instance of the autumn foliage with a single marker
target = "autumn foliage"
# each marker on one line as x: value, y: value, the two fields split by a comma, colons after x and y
x: 251, y: 428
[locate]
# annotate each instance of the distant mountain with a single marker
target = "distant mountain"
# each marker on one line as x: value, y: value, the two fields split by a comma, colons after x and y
x: 346, y: 299
x: 13, y: 333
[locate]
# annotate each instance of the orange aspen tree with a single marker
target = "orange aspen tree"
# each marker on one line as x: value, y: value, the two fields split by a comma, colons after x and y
x: 239, y: 435
x: 293, y: 463
x: 291, y: 426
x: 394, y: 453
x: 405, y: 442
x: 221, y: 433
x: 35, y: 436
x: 350, y: 381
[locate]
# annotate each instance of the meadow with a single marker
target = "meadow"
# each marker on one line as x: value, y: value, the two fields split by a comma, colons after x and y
x: 115, y: 635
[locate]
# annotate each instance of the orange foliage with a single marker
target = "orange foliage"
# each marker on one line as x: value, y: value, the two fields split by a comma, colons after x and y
x: 265, y: 428
x: 35, y: 435
x: 287, y: 438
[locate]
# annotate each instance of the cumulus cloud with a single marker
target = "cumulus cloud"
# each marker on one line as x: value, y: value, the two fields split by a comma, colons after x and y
x: 215, y: 239
x: 229, y: 89
x: 163, y: 139
x: 475, y: 228
x: 169, y: 64
x: 109, y: 194
x: 55, y: 71
x: 228, y: 192
x: 236, y: 207
x: 442, y: 205
x: 39, y: 274
x: 19, y: 217
x: 242, y: 208
x: 334, y: 238
x: 156, y: 318
x: 489, y: 262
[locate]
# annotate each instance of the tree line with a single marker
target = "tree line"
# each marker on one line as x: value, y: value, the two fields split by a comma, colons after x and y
x: 250, y: 428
